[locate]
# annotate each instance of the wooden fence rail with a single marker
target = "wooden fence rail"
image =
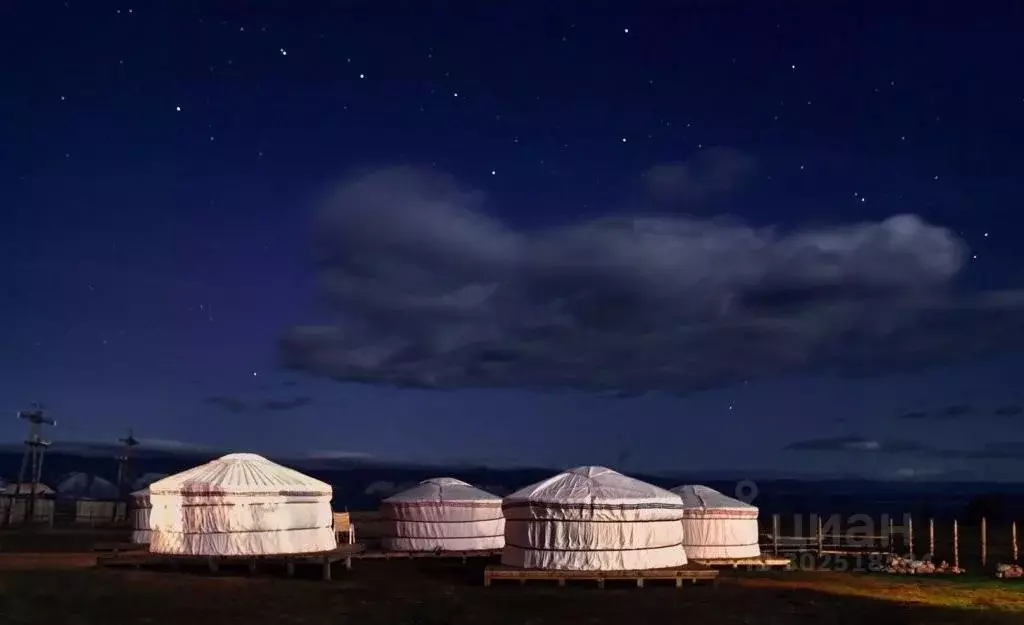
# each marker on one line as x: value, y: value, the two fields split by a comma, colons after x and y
x: 822, y: 542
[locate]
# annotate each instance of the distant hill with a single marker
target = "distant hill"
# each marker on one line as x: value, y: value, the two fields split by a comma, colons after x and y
x: 361, y: 482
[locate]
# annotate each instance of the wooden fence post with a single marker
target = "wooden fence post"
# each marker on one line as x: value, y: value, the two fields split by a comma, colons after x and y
x: 956, y: 544
x: 1013, y: 531
x: 819, y: 537
x: 775, y: 534
x: 984, y: 542
x: 931, y: 538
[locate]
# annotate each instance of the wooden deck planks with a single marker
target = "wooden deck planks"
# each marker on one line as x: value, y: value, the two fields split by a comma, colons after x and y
x: 690, y: 572
x: 404, y: 555
x: 138, y: 559
x: 763, y: 562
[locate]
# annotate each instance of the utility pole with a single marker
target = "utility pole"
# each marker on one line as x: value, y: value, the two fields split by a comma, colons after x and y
x: 35, y: 450
x: 124, y: 471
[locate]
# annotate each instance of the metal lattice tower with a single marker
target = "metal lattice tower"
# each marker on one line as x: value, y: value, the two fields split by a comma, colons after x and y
x: 32, y: 460
x: 124, y: 469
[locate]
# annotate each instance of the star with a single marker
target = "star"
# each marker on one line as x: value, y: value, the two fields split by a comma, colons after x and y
x: 625, y: 30
x: 177, y: 108
x: 284, y: 52
x: 985, y: 235
x: 62, y: 98
x: 456, y: 94
x: 623, y: 139
x: 211, y: 137
x: 494, y: 173
x: 362, y: 76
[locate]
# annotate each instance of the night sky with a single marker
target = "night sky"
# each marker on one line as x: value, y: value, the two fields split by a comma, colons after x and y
x: 774, y: 237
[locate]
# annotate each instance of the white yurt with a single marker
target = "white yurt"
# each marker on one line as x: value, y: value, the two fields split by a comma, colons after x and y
x: 593, y: 519
x: 140, y: 516
x: 442, y: 514
x: 716, y: 526
x: 240, y: 504
x: 17, y: 497
x: 96, y: 499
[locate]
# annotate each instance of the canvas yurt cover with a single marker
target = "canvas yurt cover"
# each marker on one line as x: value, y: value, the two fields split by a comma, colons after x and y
x: 140, y: 516
x: 96, y: 499
x: 42, y: 511
x: 442, y: 514
x: 593, y: 519
x: 716, y: 526
x: 240, y: 504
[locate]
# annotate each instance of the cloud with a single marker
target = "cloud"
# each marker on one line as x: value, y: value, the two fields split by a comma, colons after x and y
x: 286, y: 404
x: 146, y: 447
x: 855, y: 444
x: 165, y: 444
x: 957, y: 411
x: 1007, y: 450
x: 238, y: 405
x: 229, y: 403
x: 1008, y: 410
x: 426, y: 290
x: 331, y: 454
x: 711, y: 172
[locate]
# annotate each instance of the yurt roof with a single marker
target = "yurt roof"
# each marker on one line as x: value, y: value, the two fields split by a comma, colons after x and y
x: 442, y: 489
x: 593, y: 484
x: 704, y: 497
x: 80, y: 485
x: 26, y: 488
x: 240, y: 474
x: 146, y: 479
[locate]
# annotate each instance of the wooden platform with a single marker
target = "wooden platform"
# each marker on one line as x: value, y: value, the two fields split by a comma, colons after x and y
x: 119, y: 547
x: 138, y: 559
x: 691, y: 572
x: 379, y: 554
x: 762, y: 562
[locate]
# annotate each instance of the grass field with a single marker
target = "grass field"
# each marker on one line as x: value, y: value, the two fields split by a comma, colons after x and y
x: 65, y: 587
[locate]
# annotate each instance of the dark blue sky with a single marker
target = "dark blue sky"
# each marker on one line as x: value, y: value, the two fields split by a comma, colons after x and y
x: 660, y: 236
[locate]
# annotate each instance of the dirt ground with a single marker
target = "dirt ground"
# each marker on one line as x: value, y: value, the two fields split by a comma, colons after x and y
x: 66, y: 588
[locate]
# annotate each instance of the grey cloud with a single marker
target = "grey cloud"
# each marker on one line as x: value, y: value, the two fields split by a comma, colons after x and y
x: 1008, y: 410
x: 712, y: 171
x: 1007, y: 450
x: 229, y: 403
x: 957, y: 411
x: 286, y: 404
x: 428, y: 291
x: 856, y: 444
